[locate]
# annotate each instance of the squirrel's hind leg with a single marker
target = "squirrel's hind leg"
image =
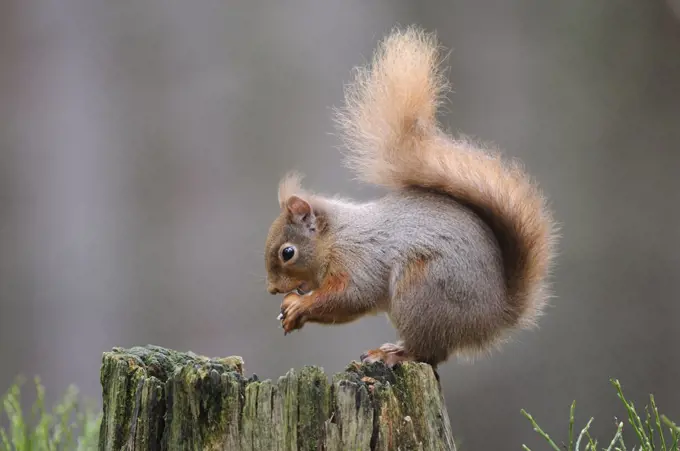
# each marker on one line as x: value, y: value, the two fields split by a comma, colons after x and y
x: 423, y: 309
x: 393, y: 354
x: 390, y: 354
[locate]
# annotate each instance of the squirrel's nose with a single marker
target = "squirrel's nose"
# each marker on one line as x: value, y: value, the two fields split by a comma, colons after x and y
x: 272, y: 289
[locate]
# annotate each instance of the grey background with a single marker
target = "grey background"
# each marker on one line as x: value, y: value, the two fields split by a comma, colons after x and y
x: 141, y: 143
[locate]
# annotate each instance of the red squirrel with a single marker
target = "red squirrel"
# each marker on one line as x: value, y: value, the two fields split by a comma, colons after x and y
x: 457, y: 253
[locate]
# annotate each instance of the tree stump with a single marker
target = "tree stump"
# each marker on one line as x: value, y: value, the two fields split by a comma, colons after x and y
x: 159, y: 399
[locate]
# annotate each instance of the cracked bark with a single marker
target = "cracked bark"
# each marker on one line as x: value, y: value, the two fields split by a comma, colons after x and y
x: 158, y: 399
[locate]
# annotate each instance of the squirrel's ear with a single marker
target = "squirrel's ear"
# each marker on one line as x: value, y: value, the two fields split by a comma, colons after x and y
x: 288, y: 186
x: 300, y: 211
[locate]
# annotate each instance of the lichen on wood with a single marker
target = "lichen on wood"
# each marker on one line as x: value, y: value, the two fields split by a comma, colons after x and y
x: 158, y: 399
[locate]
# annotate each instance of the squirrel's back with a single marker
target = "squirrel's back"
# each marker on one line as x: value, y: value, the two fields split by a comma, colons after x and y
x: 393, y: 139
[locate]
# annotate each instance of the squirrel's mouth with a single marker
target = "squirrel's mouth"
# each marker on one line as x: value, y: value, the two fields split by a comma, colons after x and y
x: 299, y: 288
x: 288, y: 286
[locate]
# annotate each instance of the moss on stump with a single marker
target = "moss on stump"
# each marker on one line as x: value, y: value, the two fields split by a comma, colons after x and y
x: 158, y: 399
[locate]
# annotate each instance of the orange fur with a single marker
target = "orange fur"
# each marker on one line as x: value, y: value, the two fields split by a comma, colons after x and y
x: 412, y: 274
x: 321, y: 306
x: 393, y: 139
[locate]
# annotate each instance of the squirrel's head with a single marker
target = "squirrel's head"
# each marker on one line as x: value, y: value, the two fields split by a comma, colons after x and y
x: 291, y: 254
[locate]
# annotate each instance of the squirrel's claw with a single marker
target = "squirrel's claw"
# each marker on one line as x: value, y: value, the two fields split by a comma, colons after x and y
x: 292, y: 315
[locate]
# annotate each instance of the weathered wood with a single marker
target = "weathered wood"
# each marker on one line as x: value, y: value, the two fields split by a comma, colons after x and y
x: 159, y: 399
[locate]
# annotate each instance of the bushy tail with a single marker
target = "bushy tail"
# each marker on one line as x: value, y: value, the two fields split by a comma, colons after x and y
x: 393, y: 139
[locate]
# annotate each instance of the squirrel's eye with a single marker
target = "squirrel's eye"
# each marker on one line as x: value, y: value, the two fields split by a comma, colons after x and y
x: 287, y: 253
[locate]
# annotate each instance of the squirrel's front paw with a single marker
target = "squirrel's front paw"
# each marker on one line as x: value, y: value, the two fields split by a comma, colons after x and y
x: 292, y: 313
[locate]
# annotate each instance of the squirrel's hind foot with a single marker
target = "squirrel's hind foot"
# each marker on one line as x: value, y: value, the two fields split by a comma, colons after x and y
x: 390, y: 354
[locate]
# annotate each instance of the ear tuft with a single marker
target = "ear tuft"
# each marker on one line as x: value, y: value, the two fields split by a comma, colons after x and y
x: 291, y: 200
x: 289, y: 186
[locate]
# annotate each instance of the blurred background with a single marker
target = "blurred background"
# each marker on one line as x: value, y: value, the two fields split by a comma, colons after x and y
x: 141, y: 143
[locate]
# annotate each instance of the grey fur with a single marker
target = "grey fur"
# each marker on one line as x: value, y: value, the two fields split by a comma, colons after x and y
x: 463, y: 288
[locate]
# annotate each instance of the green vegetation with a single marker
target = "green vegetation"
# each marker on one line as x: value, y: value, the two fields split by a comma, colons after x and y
x: 70, y: 425
x: 649, y: 433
